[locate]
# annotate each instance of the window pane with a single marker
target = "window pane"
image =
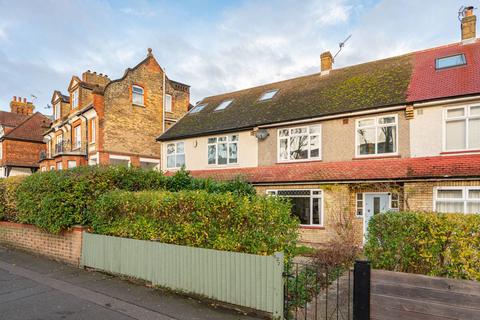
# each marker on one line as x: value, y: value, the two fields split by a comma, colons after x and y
x: 180, y: 160
x: 180, y: 147
x: 222, y: 153
x: 314, y: 146
x: 316, y: 211
x: 447, y: 62
x: 148, y: 165
x: 386, y: 120
x: 301, y: 209
x: 119, y: 162
x: 314, y: 129
x: 299, y: 130
x: 298, y: 147
x: 283, y: 133
x: 168, y: 103
x: 450, y: 194
x: 475, y: 111
x: 222, y: 139
x: 452, y: 207
x: 474, y: 194
x: 233, y: 138
x: 455, y: 135
x: 298, y: 192
x: 452, y: 113
x: 283, y: 149
x: 366, y: 141
x: 212, y: 154
x: 170, y: 148
x: 232, y: 153
x: 386, y: 140
x: 474, y: 134
x: 212, y: 140
x: 366, y: 122
x: 473, y: 207
x: 170, y: 161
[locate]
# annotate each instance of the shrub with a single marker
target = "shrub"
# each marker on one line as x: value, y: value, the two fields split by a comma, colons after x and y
x: 57, y: 200
x: 446, y: 245
x: 8, y: 190
x: 257, y: 225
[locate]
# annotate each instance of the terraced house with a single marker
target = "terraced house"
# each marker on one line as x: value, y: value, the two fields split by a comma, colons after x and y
x: 21, y: 138
x: 103, y: 121
x: 401, y: 133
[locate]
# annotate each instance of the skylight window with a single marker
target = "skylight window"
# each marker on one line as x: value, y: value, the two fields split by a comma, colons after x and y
x: 451, y: 61
x: 224, y: 104
x: 268, y: 95
x: 198, y: 108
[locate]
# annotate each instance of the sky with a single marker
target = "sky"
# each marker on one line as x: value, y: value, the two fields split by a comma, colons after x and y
x: 214, y: 46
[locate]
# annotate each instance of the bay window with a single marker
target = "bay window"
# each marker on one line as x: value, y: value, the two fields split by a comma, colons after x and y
x: 301, y: 143
x: 223, y: 150
x: 376, y: 135
x: 307, y: 204
x: 457, y: 199
x: 462, y: 128
x: 175, y: 155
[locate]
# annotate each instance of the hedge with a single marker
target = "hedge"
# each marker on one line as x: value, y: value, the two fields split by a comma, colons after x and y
x: 57, y: 200
x: 446, y: 245
x: 8, y: 203
x: 257, y: 225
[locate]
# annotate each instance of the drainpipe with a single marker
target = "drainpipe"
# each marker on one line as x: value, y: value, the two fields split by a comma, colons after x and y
x: 163, y: 118
x: 86, y: 136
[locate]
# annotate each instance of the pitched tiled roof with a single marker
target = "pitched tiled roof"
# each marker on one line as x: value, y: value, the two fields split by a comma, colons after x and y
x: 394, y: 81
x: 31, y: 129
x: 357, y: 170
x: 11, y: 119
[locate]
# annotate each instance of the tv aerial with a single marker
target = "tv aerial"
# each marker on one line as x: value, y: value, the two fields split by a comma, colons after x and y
x: 341, y: 45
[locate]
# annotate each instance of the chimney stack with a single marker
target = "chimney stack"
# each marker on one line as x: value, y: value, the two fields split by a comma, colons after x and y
x: 21, y: 107
x: 326, y: 62
x: 468, y: 25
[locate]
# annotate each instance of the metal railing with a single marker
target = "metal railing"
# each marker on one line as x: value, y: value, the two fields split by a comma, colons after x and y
x: 317, y: 292
x: 69, y: 147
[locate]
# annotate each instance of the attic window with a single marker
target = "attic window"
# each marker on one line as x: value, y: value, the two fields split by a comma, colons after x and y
x: 268, y: 95
x: 198, y: 108
x: 224, y: 104
x: 451, y: 61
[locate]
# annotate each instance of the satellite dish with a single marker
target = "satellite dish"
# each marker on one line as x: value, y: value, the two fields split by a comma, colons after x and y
x: 262, y: 134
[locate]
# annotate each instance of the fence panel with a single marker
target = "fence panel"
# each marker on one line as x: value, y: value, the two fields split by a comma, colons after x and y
x: 242, y: 279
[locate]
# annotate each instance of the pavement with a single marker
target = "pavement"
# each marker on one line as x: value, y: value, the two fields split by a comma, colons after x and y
x: 36, y: 288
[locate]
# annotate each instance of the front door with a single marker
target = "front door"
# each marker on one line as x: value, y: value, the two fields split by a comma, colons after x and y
x: 375, y: 203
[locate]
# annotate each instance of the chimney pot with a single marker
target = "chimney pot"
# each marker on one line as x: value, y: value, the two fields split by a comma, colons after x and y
x: 326, y: 62
x: 468, y: 25
x: 14, y: 98
x: 24, y: 100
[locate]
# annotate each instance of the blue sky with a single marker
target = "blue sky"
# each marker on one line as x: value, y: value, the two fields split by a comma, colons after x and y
x: 214, y: 46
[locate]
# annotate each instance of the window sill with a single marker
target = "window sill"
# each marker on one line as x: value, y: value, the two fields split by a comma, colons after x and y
x: 376, y: 157
x: 299, y: 161
x: 459, y: 152
x: 308, y: 227
x: 138, y: 105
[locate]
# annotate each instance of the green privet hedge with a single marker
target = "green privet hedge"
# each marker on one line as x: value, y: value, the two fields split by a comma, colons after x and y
x: 57, y: 200
x: 446, y: 245
x: 8, y: 191
x: 257, y: 225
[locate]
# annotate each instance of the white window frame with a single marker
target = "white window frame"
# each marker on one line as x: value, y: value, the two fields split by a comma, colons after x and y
x: 464, y: 198
x: 69, y: 162
x: 93, y: 133
x: 78, y: 137
x: 59, y: 165
x: 467, y: 119
x: 279, y: 159
x: 321, y: 196
x: 118, y: 157
x: 151, y: 160
x: 228, y: 142
x: 139, y: 94
x: 168, y: 103
x: 57, y: 110
x: 376, y: 126
x: 75, y: 98
x: 52, y: 168
x: 175, y: 154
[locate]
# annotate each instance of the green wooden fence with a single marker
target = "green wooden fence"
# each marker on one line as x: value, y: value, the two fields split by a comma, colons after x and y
x: 237, y: 278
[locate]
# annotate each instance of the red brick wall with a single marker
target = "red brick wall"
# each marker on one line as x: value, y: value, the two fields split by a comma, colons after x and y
x: 22, y: 152
x: 65, y: 247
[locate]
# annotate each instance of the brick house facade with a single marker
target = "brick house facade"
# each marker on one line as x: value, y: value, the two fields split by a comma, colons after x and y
x: 401, y: 133
x: 21, y: 138
x: 103, y: 121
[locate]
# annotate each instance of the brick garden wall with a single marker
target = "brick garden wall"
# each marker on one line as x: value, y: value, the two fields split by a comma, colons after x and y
x: 65, y: 247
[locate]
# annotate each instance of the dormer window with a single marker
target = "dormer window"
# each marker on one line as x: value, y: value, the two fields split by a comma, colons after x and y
x: 225, y: 104
x: 138, y: 95
x: 75, y: 99
x: 57, y: 112
x: 268, y: 95
x: 450, y: 62
x: 198, y: 108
